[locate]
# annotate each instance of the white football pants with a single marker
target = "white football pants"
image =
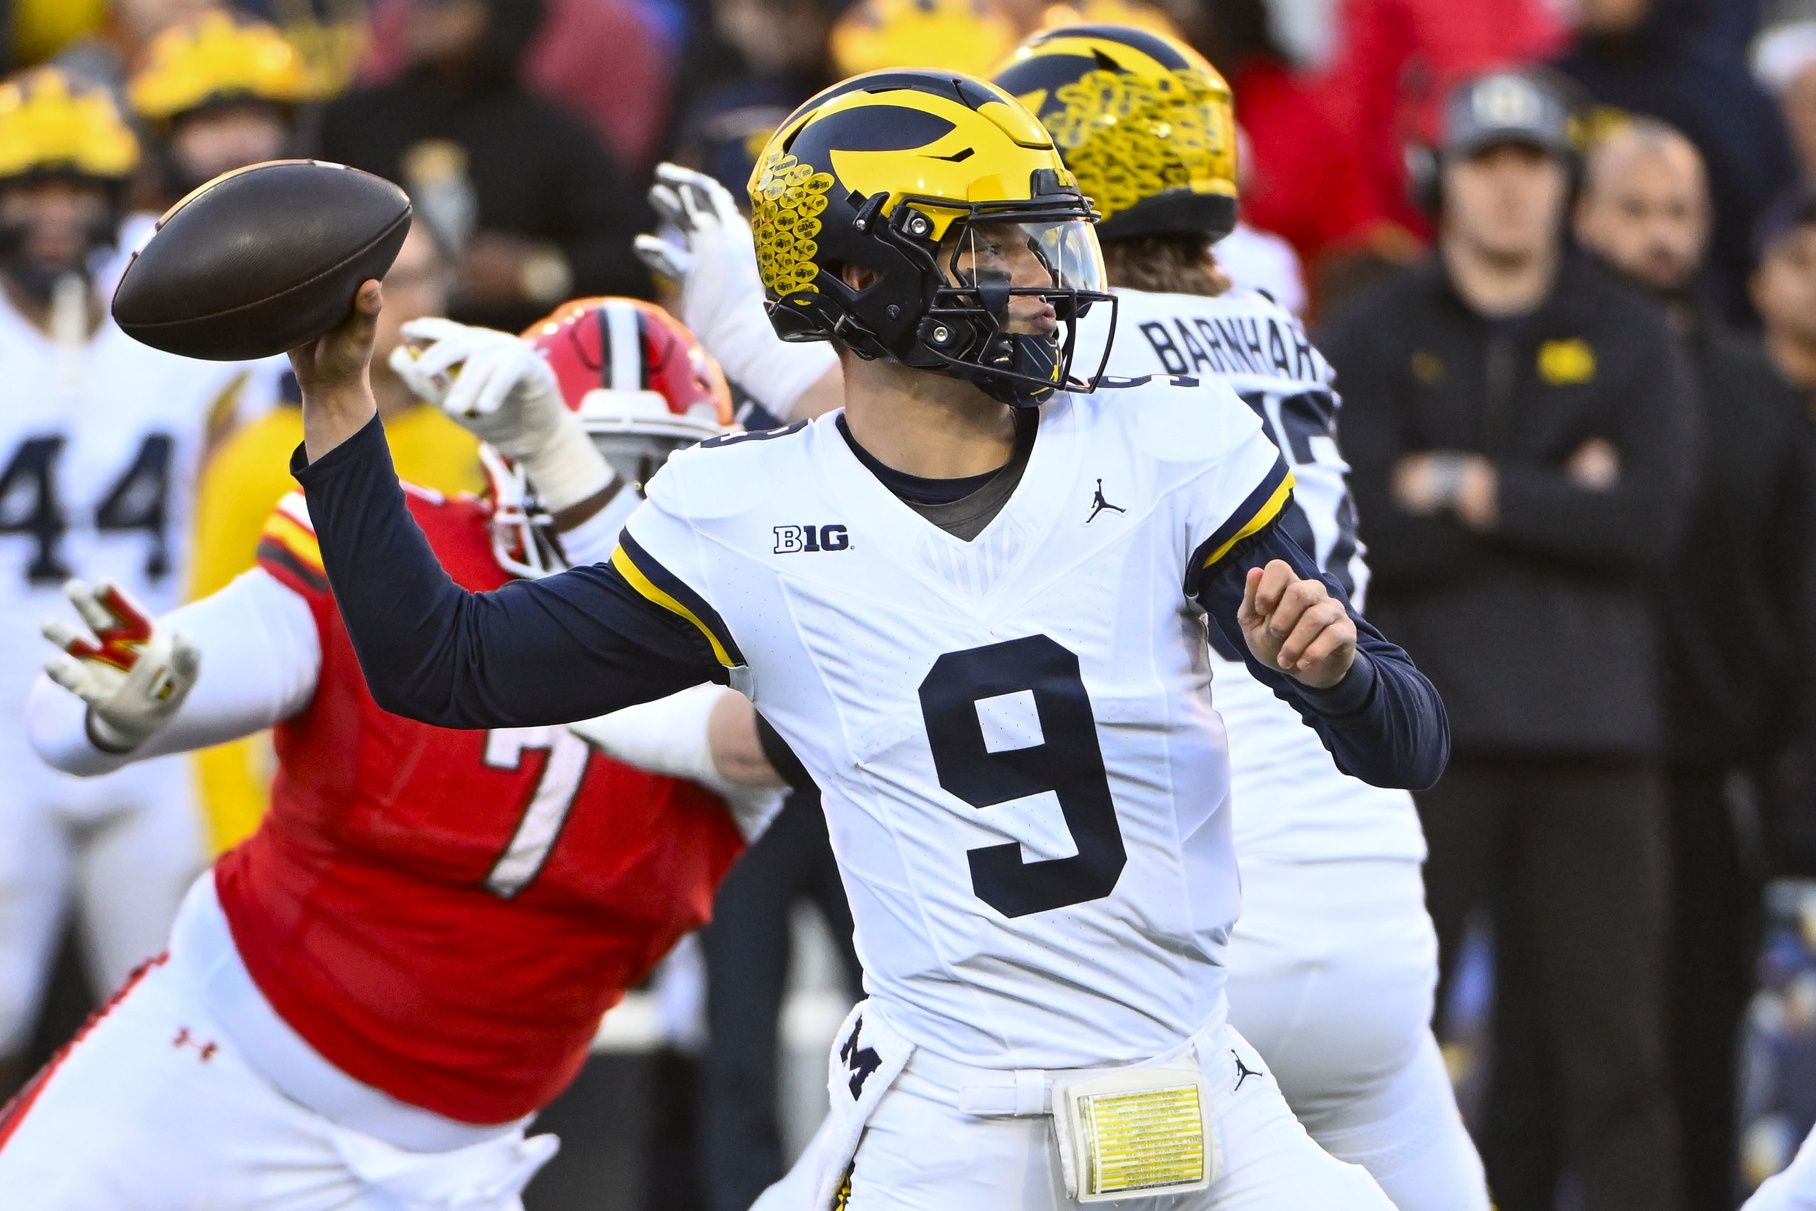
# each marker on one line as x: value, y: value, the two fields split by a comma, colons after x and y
x: 1333, y: 967
x: 919, y: 1151
x: 152, y: 1107
x: 124, y: 848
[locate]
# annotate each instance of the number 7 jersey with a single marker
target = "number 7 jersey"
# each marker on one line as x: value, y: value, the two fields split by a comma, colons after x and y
x: 1023, y: 775
x: 445, y: 914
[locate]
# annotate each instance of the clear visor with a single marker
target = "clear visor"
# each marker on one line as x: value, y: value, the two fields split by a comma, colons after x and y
x: 1035, y: 264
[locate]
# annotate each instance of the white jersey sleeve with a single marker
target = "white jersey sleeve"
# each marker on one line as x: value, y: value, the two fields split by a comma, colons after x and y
x: 1242, y: 484
x: 260, y: 657
x: 665, y: 556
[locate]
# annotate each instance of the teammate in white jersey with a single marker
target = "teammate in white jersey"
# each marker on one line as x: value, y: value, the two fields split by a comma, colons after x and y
x: 1333, y: 964
x: 100, y: 438
x: 975, y: 606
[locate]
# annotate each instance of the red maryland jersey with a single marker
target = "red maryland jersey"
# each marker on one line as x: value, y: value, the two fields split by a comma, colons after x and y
x: 445, y: 915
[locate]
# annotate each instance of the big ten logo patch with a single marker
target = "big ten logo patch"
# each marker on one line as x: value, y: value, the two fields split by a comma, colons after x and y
x: 793, y: 539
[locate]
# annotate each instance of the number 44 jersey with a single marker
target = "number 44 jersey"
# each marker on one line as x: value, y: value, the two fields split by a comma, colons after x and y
x: 99, y: 448
x: 1291, y: 803
x: 1023, y: 775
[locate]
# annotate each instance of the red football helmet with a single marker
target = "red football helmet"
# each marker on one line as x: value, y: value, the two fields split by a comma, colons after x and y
x: 644, y: 388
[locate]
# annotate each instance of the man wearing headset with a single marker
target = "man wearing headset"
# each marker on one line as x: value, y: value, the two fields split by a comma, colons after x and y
x: 1519, y: 425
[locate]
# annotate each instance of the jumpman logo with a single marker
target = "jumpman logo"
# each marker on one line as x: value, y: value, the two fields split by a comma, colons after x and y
x: 1243, y: 1072
x: 1099, y: 504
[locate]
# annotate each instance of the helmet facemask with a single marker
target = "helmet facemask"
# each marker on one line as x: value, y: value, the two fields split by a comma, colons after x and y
x: 1007, y: 319
x: 990, y: 293
x: 642, y: 388
x: 33, y: 275
x: 525, y: 540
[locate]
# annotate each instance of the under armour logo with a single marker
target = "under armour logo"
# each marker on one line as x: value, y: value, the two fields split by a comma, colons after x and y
x: 1243, y: 1072
x: 1099, y: 504
x: 185, y: 1039
x: 861, y: 1062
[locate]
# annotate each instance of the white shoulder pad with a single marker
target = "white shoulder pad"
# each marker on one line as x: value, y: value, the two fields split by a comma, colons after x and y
x: 1172, y: 422
x: 724, y: 476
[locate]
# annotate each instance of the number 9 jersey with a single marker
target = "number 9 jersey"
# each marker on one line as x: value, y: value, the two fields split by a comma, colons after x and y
x: 1292, y: 804
x: 1023, y: 777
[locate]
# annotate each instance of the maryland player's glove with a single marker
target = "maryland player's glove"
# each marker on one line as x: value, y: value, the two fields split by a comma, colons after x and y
x: 132, y: 674
x: 707, y: 251
x: 502, y: 390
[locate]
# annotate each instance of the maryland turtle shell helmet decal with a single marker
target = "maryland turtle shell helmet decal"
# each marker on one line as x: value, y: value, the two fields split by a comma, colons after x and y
x: 1144, y: 122
x: 926, y: 218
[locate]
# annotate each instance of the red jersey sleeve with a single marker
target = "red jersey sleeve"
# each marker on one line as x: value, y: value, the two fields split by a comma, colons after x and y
x: 288, y: 550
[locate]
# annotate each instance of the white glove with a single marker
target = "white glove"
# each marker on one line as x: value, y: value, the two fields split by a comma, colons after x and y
x: 132, y: 674
x: 712, y: 257
x: 502, y: 391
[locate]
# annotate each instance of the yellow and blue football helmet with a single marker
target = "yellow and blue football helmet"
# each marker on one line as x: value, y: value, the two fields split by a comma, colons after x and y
x: 52, y: 124
x: 954, y: 199
x: 54, y: 127
x: 217, y: 59
x: 1143, y: 120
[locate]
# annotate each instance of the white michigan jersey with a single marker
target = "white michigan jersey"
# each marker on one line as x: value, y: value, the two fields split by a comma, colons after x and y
x: 1291, y: 802
x: 99, y: 452
x: 1022, y: 772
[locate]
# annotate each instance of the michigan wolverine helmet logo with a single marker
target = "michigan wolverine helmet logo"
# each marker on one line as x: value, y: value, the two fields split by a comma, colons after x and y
x: 923, y: 217
x: 1143, y: 120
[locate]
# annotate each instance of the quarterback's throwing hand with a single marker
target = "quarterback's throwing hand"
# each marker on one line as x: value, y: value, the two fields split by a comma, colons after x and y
x: 132, y: 674
x: 337, y: 360
x: 1296, y: 626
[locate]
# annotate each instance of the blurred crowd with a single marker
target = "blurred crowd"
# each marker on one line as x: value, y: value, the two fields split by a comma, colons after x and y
x: 1499, y: 217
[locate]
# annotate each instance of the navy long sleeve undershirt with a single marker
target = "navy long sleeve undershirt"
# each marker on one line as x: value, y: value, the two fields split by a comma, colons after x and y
x: 1384, y: 722
x: 585, y: 642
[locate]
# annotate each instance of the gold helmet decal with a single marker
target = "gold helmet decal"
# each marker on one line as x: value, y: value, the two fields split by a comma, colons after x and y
x: 968, y: 36
x: 786, y: 218
x: 1143, y: 120
x: 50, y: 123
x: 217, y: 58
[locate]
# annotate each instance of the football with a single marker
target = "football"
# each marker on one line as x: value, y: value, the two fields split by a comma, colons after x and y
x: 261, y: 260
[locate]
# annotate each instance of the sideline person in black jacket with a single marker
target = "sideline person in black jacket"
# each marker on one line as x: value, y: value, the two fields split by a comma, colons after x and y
x: 1520, y: 429
x: 1734, y: 632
